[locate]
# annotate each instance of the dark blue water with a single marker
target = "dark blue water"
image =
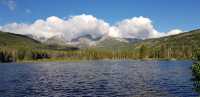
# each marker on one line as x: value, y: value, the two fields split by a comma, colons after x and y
x: 97, y: 79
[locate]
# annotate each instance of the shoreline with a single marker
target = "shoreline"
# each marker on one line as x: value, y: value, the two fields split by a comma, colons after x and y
x: 84, y: 60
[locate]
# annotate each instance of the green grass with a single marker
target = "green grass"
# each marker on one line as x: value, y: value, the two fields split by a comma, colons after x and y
x: 51, y: 60
x: 196, y: 70
x: 196, y: 74
x: 18, y: 41
x: 189, y: 39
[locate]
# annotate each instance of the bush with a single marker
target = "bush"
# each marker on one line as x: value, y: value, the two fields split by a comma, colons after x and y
x: 21, y: 54
x: 7, y: 55
x: 39, y: 55
x: 196, y: 70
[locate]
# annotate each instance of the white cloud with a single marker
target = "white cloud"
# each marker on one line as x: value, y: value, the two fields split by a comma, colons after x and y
x: 83, y: 24
x: 71, y: 28
x: 11, y: 4
x: 80, y: 25
x: 137, y: 27
x: 27, y: 10
x: 173, y: 32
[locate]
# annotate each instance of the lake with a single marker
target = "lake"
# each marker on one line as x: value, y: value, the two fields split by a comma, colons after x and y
x: 105, y: 78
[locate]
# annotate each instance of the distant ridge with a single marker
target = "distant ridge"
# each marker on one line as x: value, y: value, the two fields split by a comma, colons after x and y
x: 16, y: 40
x: 188, y: 39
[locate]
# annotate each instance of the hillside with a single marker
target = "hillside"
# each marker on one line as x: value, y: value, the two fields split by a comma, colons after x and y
x: 181, y: 46
x: 111, y: 44
x: 187, y: 39
x: 184, y: 45
x: 16, y: 40
x: 116, y: 44
x: 15, y: 47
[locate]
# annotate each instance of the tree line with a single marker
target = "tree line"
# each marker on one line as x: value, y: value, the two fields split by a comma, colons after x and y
x: 143, y: 52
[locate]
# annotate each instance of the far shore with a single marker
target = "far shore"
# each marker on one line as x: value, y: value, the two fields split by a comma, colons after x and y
x: 82, y: 60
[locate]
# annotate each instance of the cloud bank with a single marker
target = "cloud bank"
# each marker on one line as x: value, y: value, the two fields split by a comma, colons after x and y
x: 81, y: 25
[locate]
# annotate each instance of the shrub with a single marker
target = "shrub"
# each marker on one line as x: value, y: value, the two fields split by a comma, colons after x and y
x: 196, y: 70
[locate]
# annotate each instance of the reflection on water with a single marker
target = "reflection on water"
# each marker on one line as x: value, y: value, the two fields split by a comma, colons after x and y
x: 98, y: 78
x: 196, y: 85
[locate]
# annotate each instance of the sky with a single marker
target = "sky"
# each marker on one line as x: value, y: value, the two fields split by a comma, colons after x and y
x: 164, y: 15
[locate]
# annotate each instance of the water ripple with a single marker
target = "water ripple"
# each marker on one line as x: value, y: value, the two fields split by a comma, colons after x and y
x: 98, y: 79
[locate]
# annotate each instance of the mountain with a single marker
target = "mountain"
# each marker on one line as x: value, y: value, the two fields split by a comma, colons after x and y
x: 11, y: 40
x: 181, y: 46
x: 88, y: 41
x: 16, y: 40
x: 115, y: 44
x: 56, y: 40
x: 189, y: 39
x: 110, y: 43
x: 41, y: 39
x: 130, y: 40
x: 87, y: 36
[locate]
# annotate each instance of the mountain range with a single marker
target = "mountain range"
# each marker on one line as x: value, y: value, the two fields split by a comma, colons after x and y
x: 187, y: 39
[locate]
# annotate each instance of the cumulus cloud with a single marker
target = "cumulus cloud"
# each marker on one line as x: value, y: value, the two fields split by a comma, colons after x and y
x: 137, y: 27
x: 71, y: 28
x: 81, y: 25
x: 173, y: 32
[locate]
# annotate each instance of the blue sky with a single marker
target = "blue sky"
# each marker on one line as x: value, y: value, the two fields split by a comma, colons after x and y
x: 165, y: 14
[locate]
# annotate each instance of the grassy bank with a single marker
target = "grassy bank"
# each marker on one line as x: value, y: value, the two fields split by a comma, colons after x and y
x: 196, y: 72
x: 196, y: 67
x: 38, y: 55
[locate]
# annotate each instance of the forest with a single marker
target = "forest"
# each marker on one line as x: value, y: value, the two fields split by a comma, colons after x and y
x: 144, y: 53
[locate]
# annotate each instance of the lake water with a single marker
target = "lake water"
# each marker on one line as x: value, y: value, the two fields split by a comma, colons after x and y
x: 97, y: 79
